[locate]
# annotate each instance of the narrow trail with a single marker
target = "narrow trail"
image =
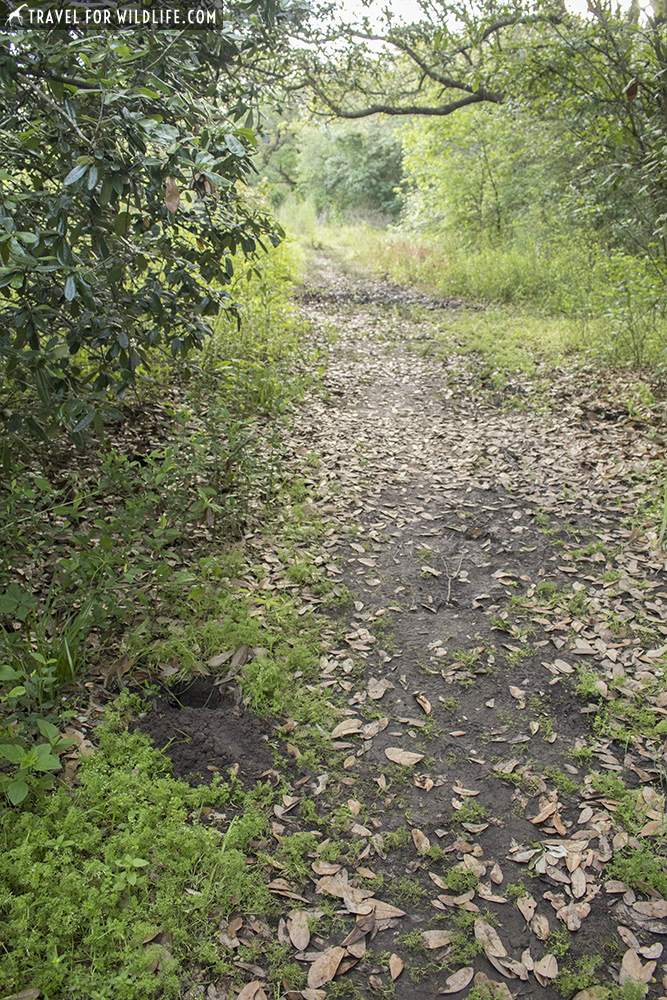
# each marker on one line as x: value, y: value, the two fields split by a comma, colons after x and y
x: 493, y: 574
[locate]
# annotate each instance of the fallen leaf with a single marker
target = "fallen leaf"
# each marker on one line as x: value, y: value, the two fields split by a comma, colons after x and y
x: 507, y: 766
x: 654, y: 908
x: 527, y: 906
x: 518, y: 695
x: 423, y: 702
x: 405, y: 757
x: 421, y: 842
x: 491, y: 988
x: 458, y: 981
x: 438, y: 939
x: 396, y: 966
x: 540, y: 926
x: 324, y: 967
x: 633, y: 970
x: 544, y: 813
x: 488, y: 937
x: 377, y: 688
x: 546, y: 968
x: 298, y: 930
x: 253, y: 991
x: 346, y: 728
x: 385, y: 911
x: 654, y: 951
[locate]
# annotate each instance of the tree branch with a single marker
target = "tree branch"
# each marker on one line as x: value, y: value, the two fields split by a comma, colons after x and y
x: 479, y: 97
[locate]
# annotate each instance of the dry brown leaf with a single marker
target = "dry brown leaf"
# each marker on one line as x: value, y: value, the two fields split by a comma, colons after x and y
x: 627, y: 937
x: 546, y: 968
x: 496, y: 874
x: 172, y: 199
x: 490, y: 939
x: 510, y: 967
x: 423, y: 702
x: 253, y: 991
x: 518, y: 695
x: 421, y: 842
x: 507, y: 766
x: 654, y: 908
x: 357, y: 950
x: 423, y: 781
x: 346, y: 728
x: 527, y: 906
x: 573, y: 914
x: 548, y: 810
x: 655, y: 951
x: 396, y: 966
x: 499, y: 991
x: 377, y: 688
x: 486, y: 892
x: 385, y: 911
x: 325, y: 967
x: 633, y: 970
x: 458, y: 981
x: 298, y: 930
x: 405, y: 757
x: 438, y: 939
x: 578, y: 882
x: 540, y: 926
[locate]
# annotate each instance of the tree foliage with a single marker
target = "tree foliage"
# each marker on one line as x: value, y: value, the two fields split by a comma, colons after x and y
x: 123, y: 158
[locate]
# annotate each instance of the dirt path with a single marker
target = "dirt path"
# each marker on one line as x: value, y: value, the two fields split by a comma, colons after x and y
x: 493, y: 814
x: 464, y: 506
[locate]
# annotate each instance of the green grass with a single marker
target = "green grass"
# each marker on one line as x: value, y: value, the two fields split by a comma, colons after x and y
x: 90, y: 872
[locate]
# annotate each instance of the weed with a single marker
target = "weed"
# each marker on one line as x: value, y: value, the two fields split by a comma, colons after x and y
x: 640, y: 868
x: 111, y: 859
x: 460, y: 880
x: 409, y: 890
x: 414, y: 942
x: 397, y: 840
x: 515, y: 890
x: 451, y: 704
x: 570, y: 981
x: 559, y: 942
x: 562, y: 781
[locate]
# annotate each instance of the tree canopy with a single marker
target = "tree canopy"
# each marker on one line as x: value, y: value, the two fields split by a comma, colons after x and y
x: 123, y: 156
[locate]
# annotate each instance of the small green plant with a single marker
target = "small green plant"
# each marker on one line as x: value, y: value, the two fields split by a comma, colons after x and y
x: 460, y: 880
x: 409, y: 890
x: 515, y: 890
x: 570, y: 981
x: 559, y: 942
x: 397, y: 840
x: 32, y: 764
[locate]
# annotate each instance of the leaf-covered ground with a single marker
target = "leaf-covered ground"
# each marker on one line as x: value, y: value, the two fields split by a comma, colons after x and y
x: 489, y: 818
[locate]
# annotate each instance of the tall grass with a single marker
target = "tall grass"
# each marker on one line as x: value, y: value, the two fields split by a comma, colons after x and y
x: 613, y: 303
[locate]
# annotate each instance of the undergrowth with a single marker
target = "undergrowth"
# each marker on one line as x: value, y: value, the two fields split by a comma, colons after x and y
x: 113, y: 886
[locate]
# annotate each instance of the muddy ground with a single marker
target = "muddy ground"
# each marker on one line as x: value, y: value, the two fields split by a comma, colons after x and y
x: 490, y: 553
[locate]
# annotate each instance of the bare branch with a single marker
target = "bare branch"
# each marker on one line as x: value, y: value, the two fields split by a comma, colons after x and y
x: 413, y: 109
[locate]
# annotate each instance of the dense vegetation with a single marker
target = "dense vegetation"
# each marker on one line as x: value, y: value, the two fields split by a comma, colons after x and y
x: 533, y: 140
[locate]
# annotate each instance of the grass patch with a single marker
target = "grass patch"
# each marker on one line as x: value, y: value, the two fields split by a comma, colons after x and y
x: 91, y: 872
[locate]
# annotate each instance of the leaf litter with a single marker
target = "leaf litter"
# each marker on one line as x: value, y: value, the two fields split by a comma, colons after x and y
x: 474, y: 655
